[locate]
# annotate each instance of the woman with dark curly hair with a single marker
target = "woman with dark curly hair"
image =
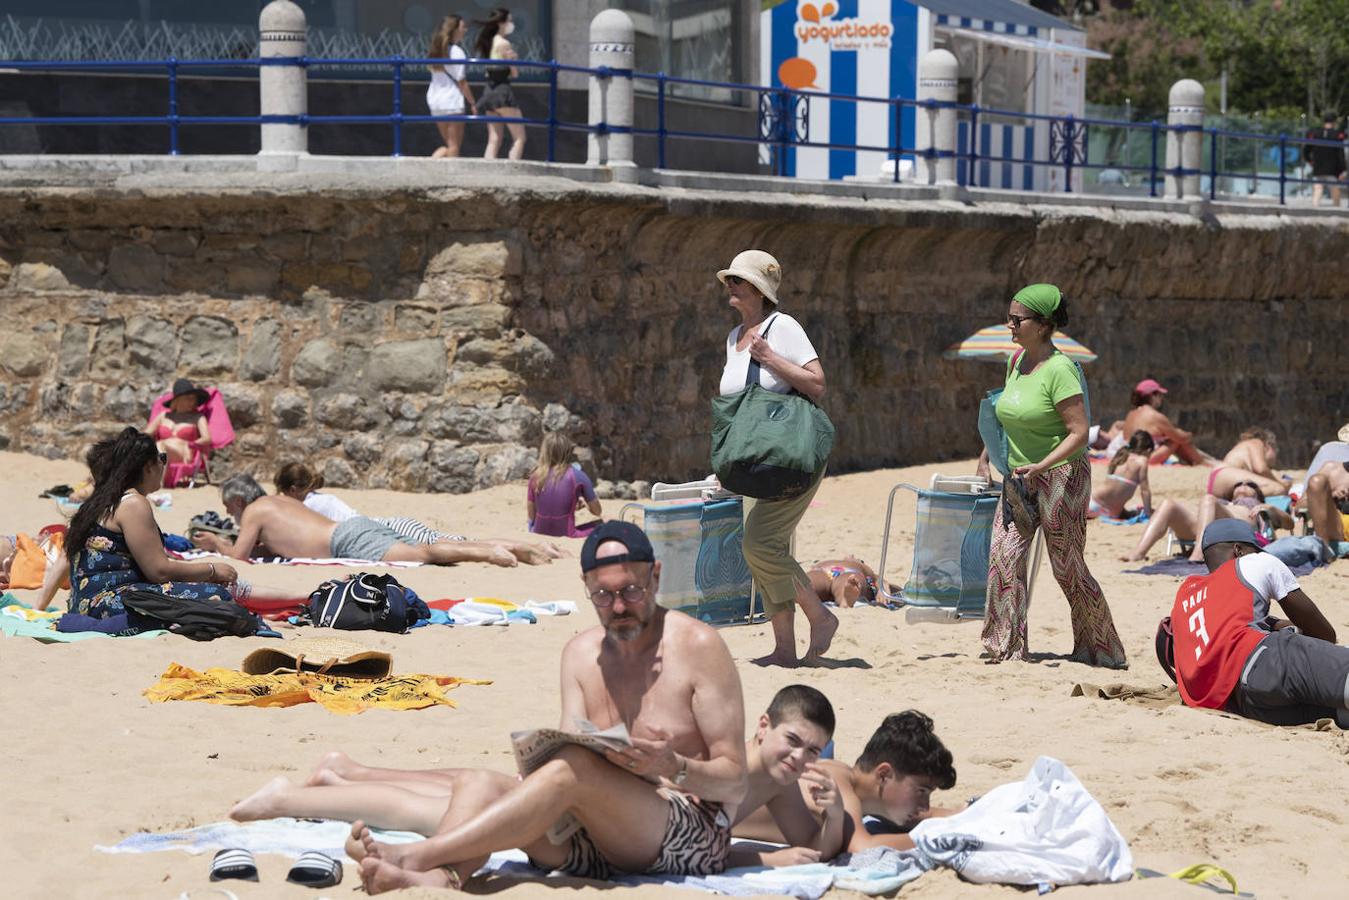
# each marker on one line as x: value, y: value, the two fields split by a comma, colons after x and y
x: 114, y: 544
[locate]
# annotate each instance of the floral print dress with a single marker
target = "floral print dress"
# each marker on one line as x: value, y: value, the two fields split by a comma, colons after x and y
x: 104, y: 569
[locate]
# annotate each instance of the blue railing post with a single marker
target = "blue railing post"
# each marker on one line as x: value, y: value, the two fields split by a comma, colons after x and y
x: 1152, y: 175
x: 1283, y: 175
x: 397, y: 106
x: 897, y: 141
x: 783, y: 98
x: 552, y: 111
x: 660, y: 120
x: 1069, y: 138
x: 974, y: 142
x: 172, y: 63
x: 1213, y: 163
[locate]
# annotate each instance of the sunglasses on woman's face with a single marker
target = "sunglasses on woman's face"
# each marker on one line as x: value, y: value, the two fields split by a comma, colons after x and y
x: 163, y: 458
x: 734, y: 280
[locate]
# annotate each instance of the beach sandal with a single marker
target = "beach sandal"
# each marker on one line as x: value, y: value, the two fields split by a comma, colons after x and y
x: 316, y: 870
x: 234, y: 863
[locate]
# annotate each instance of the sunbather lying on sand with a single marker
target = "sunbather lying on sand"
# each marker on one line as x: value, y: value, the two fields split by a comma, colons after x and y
x: 1248, y: 505
x: 845, y: 581
x: 295, y: 479
x: 783, y: 752
x: 893, y: 779
x: 288, y: 528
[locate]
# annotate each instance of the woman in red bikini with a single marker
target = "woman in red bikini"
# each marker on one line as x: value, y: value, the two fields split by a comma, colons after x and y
x: 182, y: 428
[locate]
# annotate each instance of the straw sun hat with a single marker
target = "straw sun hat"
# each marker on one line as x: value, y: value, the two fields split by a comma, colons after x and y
x: 322, y: 654
x: 759, y: 269
x: 1344, y: 433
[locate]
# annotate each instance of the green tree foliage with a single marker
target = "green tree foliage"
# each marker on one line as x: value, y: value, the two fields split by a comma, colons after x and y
x: 1277, y: 53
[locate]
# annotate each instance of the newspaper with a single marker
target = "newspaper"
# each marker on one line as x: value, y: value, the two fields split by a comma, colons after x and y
x: 534, y: 748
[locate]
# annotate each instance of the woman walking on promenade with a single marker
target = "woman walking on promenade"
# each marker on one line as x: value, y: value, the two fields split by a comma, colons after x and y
x: 449, y: 93
x: 499, y: 99
x: 1043, y: 410
x: 788, y: 363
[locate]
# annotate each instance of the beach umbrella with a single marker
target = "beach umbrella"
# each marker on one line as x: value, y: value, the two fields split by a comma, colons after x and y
x: 994, y: 344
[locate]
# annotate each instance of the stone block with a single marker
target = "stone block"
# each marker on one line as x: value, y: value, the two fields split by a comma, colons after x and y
x: 337, y: 473
x: 23, y: 354
x: 136, y: 267
x: 484, y: 385
x: 364, y: 449
x: 210, y: 346
x: 290, y: 409
x: 352, y: 367
x: 315, y: 364
x: 72, y: 357
x: 361, y: 318
x: 465, y: 424
x: 126, y: 404
x: 244, y: 403
x: 517, y: 423
x: 252, y: 275
x: 152, y: 344
x: 348, y: 412
x: 172, y: 243
x: 14, y: 397
x: 480, y: 320
x: 410, y: 366
x: 504, y: 464
x: 520, y: 352
x: 483, y: 258
x: 408, y: 452
x: 416, y: 319
x: 38, y: 276
x: 262, y: 359
x: 453, y: 468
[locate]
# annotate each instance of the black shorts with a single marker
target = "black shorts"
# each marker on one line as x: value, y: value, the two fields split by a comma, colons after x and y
x: 1292, y: 679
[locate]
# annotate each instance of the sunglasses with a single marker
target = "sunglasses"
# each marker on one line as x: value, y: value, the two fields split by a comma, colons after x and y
x: 1015, y: 321
x: 734, y: 280
x: 163, y: 458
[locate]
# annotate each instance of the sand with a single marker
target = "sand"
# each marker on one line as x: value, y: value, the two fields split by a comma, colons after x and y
x: 89, y: 760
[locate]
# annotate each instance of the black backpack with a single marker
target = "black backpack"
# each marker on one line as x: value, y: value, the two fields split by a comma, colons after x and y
x: 366, y: 602
x: 200, y: 620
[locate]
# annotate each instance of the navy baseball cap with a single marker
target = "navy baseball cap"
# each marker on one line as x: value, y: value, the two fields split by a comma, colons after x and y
x: 1228, y: 531
x: 625, y: 533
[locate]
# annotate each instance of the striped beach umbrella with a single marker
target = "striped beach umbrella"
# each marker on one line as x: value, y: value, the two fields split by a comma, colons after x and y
x: 994, y: 344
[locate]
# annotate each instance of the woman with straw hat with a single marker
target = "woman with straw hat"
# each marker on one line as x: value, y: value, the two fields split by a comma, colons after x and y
x: 1043, y: 411
x: 788, y: 363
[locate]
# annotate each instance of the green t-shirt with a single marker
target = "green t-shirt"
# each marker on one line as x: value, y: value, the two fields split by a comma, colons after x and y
x: 1027, y: 410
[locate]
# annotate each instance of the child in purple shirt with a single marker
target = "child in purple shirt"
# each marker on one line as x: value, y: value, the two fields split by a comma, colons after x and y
x: 557, y: 488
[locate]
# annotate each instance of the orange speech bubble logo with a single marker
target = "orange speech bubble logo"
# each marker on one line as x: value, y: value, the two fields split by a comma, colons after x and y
x: 828, y: 10
x: 810, y: 14
x: 797, y: 73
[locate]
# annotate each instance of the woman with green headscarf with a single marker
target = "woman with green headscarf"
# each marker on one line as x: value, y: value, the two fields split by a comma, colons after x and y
x: 1043, y: 411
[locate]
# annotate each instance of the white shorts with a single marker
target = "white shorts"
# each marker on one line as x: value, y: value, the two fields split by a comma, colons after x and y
x: 453, y: 111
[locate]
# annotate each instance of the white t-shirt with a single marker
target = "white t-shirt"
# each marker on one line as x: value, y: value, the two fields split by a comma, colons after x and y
x: 1268, y: 578
x: 786, y: 337
x: 444, y: 95
x: 329, y: 507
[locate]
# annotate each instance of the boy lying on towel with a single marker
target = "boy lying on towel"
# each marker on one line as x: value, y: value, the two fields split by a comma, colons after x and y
x: 893, y: 779
x: 289, y: 528
x: 784, y: 752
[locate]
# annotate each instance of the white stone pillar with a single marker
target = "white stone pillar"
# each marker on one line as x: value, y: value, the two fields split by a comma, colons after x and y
x: 611, y: 45
x: 285, y: 90
x: 1184, y: 149
x: 936, y: 130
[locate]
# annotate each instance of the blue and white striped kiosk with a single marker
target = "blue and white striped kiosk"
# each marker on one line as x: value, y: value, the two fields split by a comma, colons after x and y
x: 1012, y: 57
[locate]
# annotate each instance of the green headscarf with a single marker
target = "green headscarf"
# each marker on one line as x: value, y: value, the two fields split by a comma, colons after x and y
x: 1041, y: 299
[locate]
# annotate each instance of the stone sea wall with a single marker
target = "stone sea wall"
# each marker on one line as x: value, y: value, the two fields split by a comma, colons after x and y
x: 426, y: 339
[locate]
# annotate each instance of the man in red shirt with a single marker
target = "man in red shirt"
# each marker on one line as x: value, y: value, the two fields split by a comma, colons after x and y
x: 1231, y: 654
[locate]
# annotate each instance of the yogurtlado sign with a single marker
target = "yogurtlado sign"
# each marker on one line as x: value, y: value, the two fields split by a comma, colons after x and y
x: 865, y: 48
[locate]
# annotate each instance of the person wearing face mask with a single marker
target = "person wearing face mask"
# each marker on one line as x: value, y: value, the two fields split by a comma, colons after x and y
x: 499, y: 99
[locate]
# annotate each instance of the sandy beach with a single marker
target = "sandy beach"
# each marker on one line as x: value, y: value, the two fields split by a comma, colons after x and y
x: 89, y: 760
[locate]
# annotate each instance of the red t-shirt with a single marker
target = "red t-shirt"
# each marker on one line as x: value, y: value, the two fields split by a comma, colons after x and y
x: 1217, y: 624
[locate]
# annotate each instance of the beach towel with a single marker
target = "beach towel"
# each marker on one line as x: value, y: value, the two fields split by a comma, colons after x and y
x: 1044, y: 830
x: 191, y: 555
x: 1154, y: 697
x: 1134, y: 517
x: 1181, y: 567
x: 18, y: 619
x: 345, y: 696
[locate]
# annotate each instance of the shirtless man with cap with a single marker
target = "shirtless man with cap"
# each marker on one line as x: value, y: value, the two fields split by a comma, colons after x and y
x: 666, y: 804
x: 1225, y: 650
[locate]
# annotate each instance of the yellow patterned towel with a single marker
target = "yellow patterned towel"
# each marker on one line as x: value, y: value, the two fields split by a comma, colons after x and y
x: 345, y: 696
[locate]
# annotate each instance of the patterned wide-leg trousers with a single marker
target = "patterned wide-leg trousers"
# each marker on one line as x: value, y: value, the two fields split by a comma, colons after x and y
x: 1061, y: 495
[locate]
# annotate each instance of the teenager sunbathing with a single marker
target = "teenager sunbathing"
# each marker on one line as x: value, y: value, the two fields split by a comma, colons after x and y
x: 845, y: 581
x: 288, y: 528
x: 893, y: 780
x: 1126, y: 473
x: 1247, y: 505
x: 784, y: 751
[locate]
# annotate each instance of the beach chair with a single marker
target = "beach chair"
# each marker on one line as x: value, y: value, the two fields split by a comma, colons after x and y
x: 222, y: 434
x: 696, y: 529
x: 949, y: 576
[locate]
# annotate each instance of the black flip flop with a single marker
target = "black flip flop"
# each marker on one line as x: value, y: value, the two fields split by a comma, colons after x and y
x: 234, y: 863
x: 315, y: 870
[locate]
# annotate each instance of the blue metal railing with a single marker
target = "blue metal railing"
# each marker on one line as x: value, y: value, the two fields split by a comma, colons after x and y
x: 783, y: 120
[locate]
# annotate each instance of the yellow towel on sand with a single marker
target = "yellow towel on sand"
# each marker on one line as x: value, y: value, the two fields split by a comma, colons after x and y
x: 346, y: 696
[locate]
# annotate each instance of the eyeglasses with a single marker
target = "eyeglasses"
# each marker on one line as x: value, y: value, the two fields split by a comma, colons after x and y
x: 632, y: 594
x: 1015, y: 321
x: 1250, y: 484
x: 163, y: 458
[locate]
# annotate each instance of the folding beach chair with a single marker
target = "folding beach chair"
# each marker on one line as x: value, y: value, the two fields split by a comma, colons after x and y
x: 949, y: 577
x: 696, y: 530
x: 180, y: 474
